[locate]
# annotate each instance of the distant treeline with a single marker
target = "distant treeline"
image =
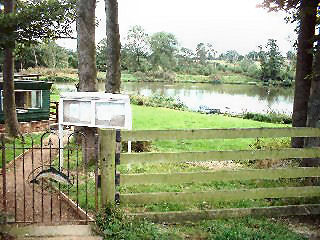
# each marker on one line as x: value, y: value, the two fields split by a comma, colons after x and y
x: 160, y: 55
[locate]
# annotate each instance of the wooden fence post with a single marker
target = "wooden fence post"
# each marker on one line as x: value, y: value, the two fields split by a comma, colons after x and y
x: 107, y: 160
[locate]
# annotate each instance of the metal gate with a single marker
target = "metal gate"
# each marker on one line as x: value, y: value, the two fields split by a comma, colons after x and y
x: 36, y: 187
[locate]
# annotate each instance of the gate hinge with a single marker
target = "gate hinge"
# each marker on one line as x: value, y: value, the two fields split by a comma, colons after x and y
x: 117, y: 178
x: 118, y: 135
x: 117, y: 198
x: 117, y: 158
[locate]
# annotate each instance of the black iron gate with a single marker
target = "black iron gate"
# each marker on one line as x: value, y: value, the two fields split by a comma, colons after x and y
x: 42, y: 182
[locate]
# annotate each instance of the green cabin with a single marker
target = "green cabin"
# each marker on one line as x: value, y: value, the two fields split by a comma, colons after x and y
x: 32, y: 100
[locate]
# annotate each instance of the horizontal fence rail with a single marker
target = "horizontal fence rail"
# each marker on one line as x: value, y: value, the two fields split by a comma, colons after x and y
x: 204, y: 177
x: 128, y: 158
x: 187, y: 216
x: 149, y: 135
x: 220, y: 195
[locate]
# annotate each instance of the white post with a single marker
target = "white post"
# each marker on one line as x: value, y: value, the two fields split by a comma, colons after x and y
x: 60, y: 134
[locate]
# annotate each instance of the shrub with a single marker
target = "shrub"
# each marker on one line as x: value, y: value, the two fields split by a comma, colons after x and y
x: 60, y: 79
x: 114, y: 224
x: 254, y: 71
x: 140, y: 76
x: 138, y: 146
x: 50, y: 71
x: 215, y: 79
x: 270, y: 117
x: 237, y: 69
x: 158, y: 101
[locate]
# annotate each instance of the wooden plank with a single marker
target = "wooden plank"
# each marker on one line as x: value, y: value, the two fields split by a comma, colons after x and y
x: 149, y: 135
x: 107, y: 167
x: 220, y: 195
x: 198, y: 177
x: 195, y: 216
x: 127, y: 158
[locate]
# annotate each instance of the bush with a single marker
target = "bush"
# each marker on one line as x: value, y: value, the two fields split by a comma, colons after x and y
x: 158, y: 101
x: 60, y: 79
x: 270, y: 117
x: 138, y: 146
x: 114, y: 224
x: 215, y: 79
x: 253, y: 71
x: 140, y: 76
x: 237, y: 69
x: 50, y: 71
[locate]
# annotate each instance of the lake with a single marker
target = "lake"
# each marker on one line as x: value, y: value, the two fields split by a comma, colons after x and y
x: 226, y: 97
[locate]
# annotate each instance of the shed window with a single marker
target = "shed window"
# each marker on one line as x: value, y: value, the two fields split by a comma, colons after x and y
x: 27, y: 99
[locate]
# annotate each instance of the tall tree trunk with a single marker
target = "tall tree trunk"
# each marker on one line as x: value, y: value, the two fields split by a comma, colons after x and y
x: 9, y: 105
x: 87, y: 63
x: 314, y: 110
x: 113, y: 76
x: 308, y: 11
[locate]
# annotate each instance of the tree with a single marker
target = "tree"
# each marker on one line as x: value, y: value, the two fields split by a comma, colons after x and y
x: 308, y: 10
x: 102, y: 55
x: 230, y: 56
x: 271, y: 61
x: 163, y: 47
x: 305, y: 106
x: 31, y: 21
x: 9, y: 106
x: 201, y: 52
x: 314, y: 110
x: 86, y: 46
x: 87, y: 63
x: 137, y: 46
x: 113, y: 77
x: 72, y: 58
x: 253, y: 55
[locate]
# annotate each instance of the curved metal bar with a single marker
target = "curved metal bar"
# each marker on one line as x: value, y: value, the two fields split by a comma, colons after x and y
x: 46, y: 133
x: 74, y: 133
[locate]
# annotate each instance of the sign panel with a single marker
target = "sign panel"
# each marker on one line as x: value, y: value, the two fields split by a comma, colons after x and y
x: 95, y: 109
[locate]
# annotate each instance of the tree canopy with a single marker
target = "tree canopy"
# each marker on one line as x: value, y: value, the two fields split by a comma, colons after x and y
x: 27, y: 22
x: 36, y: 20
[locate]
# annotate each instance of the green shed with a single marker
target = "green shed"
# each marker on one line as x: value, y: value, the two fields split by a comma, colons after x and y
x: 32, y: 100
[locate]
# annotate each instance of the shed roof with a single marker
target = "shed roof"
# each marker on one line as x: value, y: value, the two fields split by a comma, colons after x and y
x: 29, y: 84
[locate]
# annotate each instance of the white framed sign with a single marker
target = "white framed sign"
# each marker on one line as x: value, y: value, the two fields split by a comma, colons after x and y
x: 95, y: 109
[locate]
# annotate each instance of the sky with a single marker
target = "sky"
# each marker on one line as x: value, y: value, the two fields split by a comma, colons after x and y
x: 227, y: 24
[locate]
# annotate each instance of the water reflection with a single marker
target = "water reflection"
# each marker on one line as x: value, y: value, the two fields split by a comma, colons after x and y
x: 226, y: 97
x: 231, y: 98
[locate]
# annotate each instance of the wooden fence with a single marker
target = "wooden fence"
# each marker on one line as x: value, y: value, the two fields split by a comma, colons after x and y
x: 111, y: 156
x: 54, y: 111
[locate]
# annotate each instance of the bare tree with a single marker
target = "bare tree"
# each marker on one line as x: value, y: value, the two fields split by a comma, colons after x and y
x: 113, y: 75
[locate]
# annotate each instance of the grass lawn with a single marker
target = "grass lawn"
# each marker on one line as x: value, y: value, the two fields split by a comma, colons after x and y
x: 163, y: 118
x: 19, y: 145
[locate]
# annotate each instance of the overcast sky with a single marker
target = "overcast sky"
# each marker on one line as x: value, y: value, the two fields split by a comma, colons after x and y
x: 227, y: 24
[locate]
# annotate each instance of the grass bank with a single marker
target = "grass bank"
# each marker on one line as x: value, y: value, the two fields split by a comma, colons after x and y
x: 163, y: 118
